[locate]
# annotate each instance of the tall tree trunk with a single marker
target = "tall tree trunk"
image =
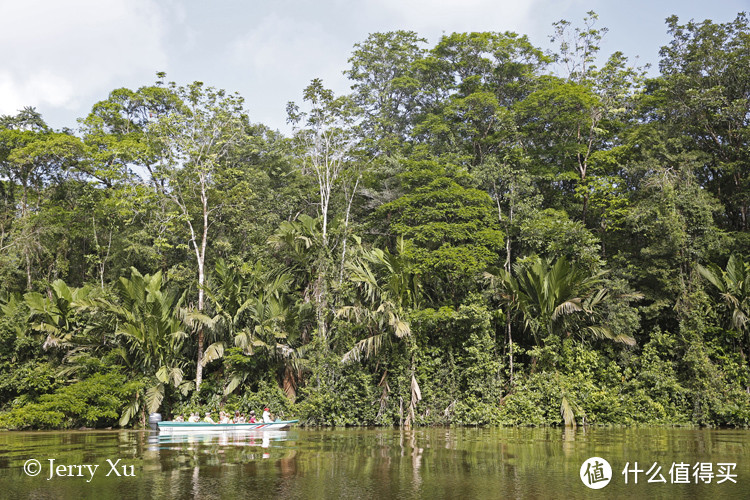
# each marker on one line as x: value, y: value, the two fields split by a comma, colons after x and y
x: 506, y: 266
x: 321, y: 302
x: 507, y: 269
x: 201, y: 256
x: 25, y: 197
x: 510, y: 344
x: 28, y: 271
x: 346, y: 230
x: 321, y: 292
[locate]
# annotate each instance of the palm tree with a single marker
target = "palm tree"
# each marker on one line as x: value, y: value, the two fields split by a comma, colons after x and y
x: 547, y: 294
x: 389, y: 289
x: 558, y: 296
x: 385, y: 298
x: 55, y: 314
x: 733, y: 285
x: 153, y: 337
x: 308, y: 255
x: 252, y: 312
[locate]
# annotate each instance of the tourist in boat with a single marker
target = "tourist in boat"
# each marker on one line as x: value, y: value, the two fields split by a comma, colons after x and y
x: 267, y: 416
x: 252, y: 419
x: 208, y: 418
x: 194, y: 417
x: 179, y: 418
x: 237, y: 418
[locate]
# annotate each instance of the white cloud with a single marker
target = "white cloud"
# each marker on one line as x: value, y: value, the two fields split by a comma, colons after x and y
x: 61, y: 53
x: 277, y: 58
x: 15, y: 92
x: 425, y: 16
x: 285, y: 46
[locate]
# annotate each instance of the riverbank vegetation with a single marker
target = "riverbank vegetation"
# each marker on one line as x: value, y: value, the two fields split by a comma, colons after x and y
x: 481, y: 232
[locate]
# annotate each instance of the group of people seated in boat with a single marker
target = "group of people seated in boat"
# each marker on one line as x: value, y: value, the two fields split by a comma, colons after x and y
x: 226, y: 418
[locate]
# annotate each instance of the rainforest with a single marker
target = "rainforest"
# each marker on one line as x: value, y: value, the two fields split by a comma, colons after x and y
x: 480, y: 232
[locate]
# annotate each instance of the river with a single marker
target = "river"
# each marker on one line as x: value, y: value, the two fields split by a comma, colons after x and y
x: 431, y: 463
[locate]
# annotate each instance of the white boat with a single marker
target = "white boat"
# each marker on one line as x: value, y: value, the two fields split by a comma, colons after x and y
x: 203, y: 427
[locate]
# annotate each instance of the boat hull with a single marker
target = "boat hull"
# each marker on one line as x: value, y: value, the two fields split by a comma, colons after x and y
x: 203, y: 427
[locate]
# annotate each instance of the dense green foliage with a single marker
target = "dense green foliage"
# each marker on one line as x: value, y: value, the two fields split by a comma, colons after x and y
x: 480, y: 233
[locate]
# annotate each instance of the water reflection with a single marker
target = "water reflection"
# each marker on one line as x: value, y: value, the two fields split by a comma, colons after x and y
x: 179, y: 450
x: 227, y: 438
x: 368, y: 463
x: 568, y: 441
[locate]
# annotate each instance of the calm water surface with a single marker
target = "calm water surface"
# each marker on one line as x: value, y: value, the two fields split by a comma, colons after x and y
x: 366, y: 463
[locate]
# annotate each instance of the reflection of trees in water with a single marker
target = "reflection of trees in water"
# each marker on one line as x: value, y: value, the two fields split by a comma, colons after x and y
x: 569, y: 439
x: 209, y: 466
x: 432, y: 462
x: 203, y: 459
x: 416, y: 460
x: 196, y: 483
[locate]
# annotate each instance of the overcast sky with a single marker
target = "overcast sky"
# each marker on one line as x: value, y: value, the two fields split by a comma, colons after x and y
x: 63, y: 56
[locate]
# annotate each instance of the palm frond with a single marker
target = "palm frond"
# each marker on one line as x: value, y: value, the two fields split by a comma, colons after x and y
x: 154, y: 397
x: 186, y: 386
x: 130, y: 411
x: 568, y: 307
x: 234, y: 383
x: 366, y: 347
x: 713, y: 275
x: 213, y: 352
x: 568, y: 415
x: 416, y: 392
